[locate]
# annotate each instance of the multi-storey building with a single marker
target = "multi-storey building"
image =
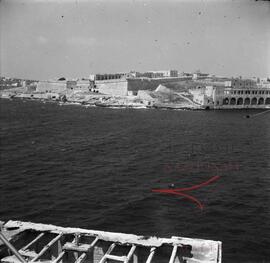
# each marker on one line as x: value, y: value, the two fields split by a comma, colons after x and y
x: 237, y: 94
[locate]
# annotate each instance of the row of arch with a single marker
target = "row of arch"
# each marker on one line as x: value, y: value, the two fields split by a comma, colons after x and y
x: 246, y: 101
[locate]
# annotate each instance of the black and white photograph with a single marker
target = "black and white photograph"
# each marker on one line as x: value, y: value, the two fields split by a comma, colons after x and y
x: 134, y: 131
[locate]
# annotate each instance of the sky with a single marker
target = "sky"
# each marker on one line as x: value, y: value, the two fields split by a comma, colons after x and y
x: 45, y: 39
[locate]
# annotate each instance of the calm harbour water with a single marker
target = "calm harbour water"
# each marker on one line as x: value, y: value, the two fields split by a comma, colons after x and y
x: 95, y: 168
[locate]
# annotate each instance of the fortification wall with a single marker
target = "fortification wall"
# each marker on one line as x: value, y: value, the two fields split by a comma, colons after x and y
x: 113, y: 87
x: 51, y: 86
x: 149, y: 84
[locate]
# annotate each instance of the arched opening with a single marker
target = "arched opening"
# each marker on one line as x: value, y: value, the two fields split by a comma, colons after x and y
x: 254, y: 101
x: 240, y: 101
x: 233, y: 101
x: 247, y: 101
x: 267, y: 101
x: 261, y: 101
x: 225, y: 101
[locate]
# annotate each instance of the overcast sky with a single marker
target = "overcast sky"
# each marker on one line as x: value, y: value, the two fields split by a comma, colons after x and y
x: 48, y: 39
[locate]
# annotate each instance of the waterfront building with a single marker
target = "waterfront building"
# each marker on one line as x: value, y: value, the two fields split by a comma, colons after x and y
x: 6, y: 83
x: 239, y: 94
x: 62, y: 86
x: 229, y: 97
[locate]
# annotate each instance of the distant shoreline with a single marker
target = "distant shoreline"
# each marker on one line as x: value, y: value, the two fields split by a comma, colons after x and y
x: 104, y: 105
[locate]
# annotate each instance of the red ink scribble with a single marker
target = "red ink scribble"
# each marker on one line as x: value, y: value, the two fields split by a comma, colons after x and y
x: 179, y: 191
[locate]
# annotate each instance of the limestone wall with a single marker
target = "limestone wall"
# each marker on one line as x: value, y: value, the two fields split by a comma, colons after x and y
x: 112, y: 87
x: 148, y: 84
x: 51, y: 86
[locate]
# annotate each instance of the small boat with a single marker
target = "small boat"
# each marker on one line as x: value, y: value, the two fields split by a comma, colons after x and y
x: 24, y: 242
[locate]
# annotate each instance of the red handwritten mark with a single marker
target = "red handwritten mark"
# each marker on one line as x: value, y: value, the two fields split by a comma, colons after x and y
x: 179, y: 191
